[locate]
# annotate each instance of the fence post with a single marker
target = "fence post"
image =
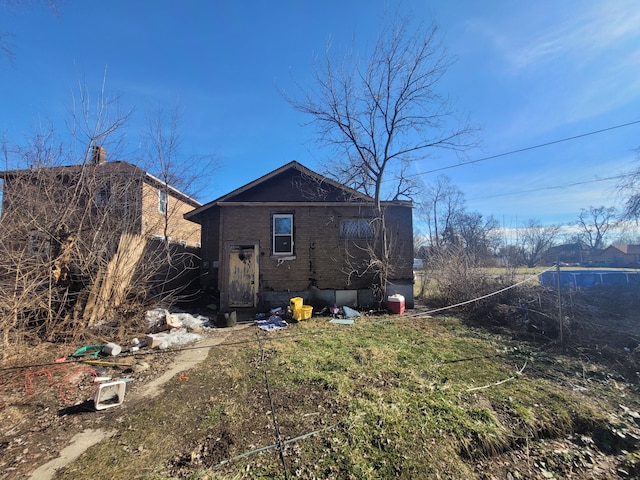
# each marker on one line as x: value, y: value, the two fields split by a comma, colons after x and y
x: 559, y: 301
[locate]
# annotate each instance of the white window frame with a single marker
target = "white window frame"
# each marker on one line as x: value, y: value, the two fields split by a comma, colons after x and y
x: 163, y: 201
x: 277, y: 235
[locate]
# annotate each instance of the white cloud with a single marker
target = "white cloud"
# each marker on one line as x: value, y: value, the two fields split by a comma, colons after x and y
x: 579, y: 37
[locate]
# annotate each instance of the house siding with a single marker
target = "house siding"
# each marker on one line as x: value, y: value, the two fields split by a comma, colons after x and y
x: 153, y: 220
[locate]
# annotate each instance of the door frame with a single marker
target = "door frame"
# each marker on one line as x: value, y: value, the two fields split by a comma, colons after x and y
x: 228, y: 247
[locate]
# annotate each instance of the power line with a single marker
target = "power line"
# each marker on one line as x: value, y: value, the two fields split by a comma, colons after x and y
x: 566, y: 185
x: 526, y: 149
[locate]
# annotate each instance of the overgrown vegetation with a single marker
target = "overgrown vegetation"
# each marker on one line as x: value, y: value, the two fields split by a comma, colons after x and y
x: 83, y: 241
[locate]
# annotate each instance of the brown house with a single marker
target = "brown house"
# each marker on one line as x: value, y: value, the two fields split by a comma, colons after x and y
x: 99, y: 195
x: 295, y: 233
x: 619, y: 256
x: 88, y: 238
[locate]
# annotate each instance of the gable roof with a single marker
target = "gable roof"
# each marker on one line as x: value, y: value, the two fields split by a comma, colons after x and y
x: 291, y: 183
x: 326, y: 184
x: 627, y: 249
x: 113, y: 167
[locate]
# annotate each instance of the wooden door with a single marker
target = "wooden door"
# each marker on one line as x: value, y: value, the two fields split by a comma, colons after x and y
x: 243, y: 273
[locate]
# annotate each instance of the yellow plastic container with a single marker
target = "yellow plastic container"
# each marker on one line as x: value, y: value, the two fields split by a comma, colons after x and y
x: 296, y: 303
x: 303, y: 313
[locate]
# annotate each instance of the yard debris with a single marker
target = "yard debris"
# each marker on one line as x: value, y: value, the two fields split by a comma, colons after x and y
x: 274, y: 322
x: 111, y: 349
x: 117, y: 363
x: 342, y: 321
x: 109, y: 394
x: 179, y: 336
x: 160, y: 320
x: 88, y: 351
x: 350, y: 312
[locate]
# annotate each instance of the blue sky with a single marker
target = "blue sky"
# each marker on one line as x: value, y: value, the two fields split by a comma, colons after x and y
x: 527, y: 73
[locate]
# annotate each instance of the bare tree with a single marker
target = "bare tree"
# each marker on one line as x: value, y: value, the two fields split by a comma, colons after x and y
x: 535, y: 240
x: 595, y: 223
x: 165, y: 158
x: 440, y: 204
x: 387, y: 111
x: 382, y: 113
x: 74, y: 249
x: 477, y: 234
x: 629, y: 188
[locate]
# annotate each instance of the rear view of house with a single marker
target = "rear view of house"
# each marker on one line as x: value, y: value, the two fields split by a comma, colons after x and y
x: 294, y: 233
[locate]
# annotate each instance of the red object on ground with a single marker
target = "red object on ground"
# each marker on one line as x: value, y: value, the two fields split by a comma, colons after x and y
x: 395, y: 303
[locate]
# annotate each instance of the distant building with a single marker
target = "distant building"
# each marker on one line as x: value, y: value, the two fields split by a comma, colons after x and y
x: 618, y: 256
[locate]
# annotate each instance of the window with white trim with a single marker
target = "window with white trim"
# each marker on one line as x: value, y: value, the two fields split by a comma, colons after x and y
x: 282, y: 234
x: 162, y: 201
x: 353, y: 228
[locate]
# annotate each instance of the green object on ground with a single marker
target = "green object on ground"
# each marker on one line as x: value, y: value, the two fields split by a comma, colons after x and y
x: 89, y: 350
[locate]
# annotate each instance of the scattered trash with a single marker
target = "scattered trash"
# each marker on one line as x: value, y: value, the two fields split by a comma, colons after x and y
x: 342, y: 321
x: 165, y: 340
x: 156, y: 319
x: 123, y: 363
x: 350, y: 312
x: 303, y: 313
x: 188, y: 321
x: 272, y: 323
x: 183, y: 378
x: 160, y: 320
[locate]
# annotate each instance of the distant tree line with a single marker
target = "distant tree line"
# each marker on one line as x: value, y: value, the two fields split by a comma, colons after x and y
x: 450, y: 229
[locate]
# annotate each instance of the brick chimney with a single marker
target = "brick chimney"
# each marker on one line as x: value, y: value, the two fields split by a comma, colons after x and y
x: 98, y: 155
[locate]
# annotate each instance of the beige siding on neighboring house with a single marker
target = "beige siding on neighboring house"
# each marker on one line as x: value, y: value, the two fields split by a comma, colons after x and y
x: 153, y: 220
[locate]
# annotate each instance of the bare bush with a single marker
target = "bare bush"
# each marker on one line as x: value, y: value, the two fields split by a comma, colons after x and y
x: 85, y: 242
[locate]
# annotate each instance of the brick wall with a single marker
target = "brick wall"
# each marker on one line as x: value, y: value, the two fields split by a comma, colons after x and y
x: 321, y: 257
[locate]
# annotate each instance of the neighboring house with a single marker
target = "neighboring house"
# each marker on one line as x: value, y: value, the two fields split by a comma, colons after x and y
x: 618, y: 256
x: 573, y: 253
x: 87, y: 239
x: 118, y: 195
x: 294, y: 233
